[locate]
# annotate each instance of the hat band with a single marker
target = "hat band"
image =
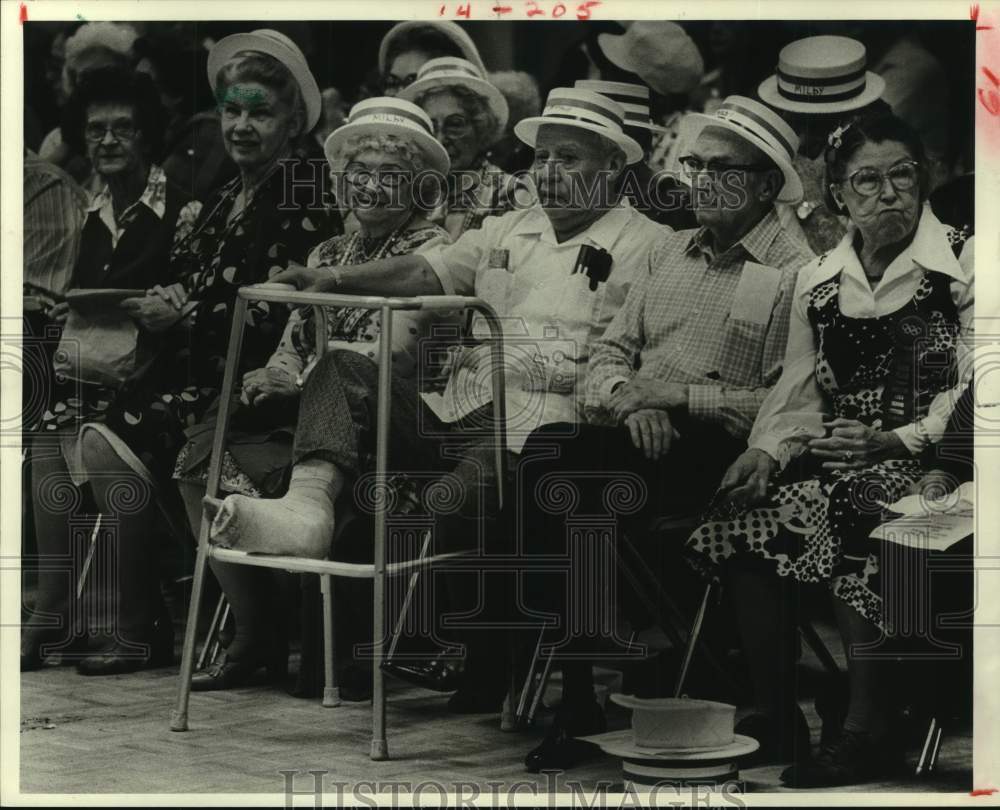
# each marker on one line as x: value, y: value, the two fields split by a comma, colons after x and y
x: 826, y: 81
x: 819, y: 97
x: 585, y: 119
x: 726, y: 114
x: 393, y: 112
x: 831, y: 88
x: 449, y: 70
x: 571, y: 103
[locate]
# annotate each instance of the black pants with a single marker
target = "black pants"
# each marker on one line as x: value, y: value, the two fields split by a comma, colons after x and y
x: 579, y: 487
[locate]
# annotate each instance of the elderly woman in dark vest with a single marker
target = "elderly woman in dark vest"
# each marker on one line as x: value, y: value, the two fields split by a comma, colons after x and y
x: 248, y: 230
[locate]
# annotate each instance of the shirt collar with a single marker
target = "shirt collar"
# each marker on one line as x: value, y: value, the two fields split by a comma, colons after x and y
x: 603, y: 232
x: 930, y: 249
x: 154, y: 197
x: 756, y: 242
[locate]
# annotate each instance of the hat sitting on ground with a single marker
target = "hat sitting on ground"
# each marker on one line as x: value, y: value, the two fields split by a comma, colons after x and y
x: 758, y: 125
x: 582, y: 109
x: 824, y: 74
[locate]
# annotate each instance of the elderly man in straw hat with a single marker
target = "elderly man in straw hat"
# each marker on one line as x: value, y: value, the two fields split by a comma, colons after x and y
x: 674, y: 383
x: 556, y: 271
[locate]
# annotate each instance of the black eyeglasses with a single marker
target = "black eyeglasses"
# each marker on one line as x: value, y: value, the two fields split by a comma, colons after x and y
x: 392, y: 82
x: 868, y: 181
x: 361, y: 176
x: 694, y: 165
x: 454, y: 126
x: 120, y: 132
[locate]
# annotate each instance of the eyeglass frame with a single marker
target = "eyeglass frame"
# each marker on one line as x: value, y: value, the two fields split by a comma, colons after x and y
x: 706, y: 166
x: 114, y: 129
x: 452, y: 130
x: 883, y: 176
x: 399, y: 176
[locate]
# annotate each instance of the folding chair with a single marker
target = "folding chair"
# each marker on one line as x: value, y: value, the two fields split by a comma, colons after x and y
x: 327, y: 569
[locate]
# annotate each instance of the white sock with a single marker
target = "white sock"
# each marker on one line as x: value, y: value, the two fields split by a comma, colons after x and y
x: 299, y: 524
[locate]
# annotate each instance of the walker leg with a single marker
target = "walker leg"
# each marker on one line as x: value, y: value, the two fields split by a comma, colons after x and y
x: 331, y: 691
x: 179, y: 718
x: 692, y: 640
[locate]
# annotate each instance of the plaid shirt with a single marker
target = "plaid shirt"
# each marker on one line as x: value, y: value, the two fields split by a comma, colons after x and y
x: 716, y: 323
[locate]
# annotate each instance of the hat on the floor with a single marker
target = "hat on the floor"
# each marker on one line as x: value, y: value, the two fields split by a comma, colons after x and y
x: 277, y: 46
x: 659, y: 52
x: 678, y: 741
x: 756, y: 124
x: 582, y: 109
x: 823, y: 74
x: 394, y: 116
x: 634, y: 99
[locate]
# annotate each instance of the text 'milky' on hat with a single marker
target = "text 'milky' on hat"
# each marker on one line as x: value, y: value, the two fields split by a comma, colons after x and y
x: 278, y: 46
x: 756, y: 124
x: 450, y: 71
x: 823, y: 74
x: 582, y: 109
x: 449, y: 29
x: 634, y: 99
x: 659, y: 52
x: 393, y: 116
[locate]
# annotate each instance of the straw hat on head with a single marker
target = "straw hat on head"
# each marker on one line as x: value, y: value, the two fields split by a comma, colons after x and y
x: 451, y: 30
x: 824, y: 74
x: 278, y: 46
x: 658, y: 52
x: 394, y: 116
x: 582, y: 109
x: 450, y: 71
x: 758, y: 125
x: 634, y: 99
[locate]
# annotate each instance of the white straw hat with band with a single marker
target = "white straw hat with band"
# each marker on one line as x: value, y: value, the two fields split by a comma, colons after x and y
x: 634, y: 99
x: 756, y: 124
x: 450, y: 71
x: 583, y: 109
x: 659, y: 52
x: 824, y: 74
x: 394, y: 116
x: 451, y: 30
x: 276, y: 45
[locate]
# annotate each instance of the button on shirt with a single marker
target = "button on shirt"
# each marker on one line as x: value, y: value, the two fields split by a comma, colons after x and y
x: 789, y: 411
x: 716, y: 323
x: 548, y: 312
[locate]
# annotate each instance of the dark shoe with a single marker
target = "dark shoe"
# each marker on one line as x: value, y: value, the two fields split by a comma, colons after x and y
x: 560, y: 750
x: 854, y: 758
x: 229, y: 673
x: 120, y: 657
x: 440, y: 674
x: 779, y: 742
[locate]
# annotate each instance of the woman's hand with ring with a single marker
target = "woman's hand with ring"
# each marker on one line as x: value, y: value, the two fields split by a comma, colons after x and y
x: 853, y: 445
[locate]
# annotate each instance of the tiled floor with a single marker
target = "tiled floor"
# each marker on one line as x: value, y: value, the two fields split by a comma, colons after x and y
x: 110, y: 735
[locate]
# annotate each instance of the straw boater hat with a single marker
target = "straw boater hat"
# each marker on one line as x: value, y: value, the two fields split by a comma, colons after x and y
x: 658, y: 52
x: 824, y: 74
x: 634, y: 99
x: 395, y: 116
x: 582, y: 109
x: 758, y: 125
x: 677, y: 740
x: 450, y: 29
x: 450, y: 71
x: 278, y: 46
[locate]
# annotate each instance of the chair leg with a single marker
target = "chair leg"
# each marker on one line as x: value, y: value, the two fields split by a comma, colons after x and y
x: 693, y: 640
x: 331, y: 691
x: 932, y: 745
x: 540, y: 692
x: 407, y: 600
x: 213, y: 628
x: 522, y: 703
x: 811, y: 637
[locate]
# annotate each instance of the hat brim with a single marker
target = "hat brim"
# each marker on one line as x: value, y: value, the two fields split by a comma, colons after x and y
x: 614, y: 48
x: 791, y: 192
x: 527, y: 131
x: 677, y: 77
x: 434, y: 153
x: 494, y: 98
x: 450, y: 29
x: 226, y: 48
x: 768, y: 93
x: 621, y: 744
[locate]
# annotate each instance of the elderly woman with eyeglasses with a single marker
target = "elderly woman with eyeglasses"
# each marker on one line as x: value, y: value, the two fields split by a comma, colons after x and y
x: 879, y: 327
x: 250, y: 229
x: 375, y: 165
x: 468, y: 115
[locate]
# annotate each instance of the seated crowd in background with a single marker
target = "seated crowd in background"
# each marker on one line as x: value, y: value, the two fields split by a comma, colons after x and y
x: 745, y: 308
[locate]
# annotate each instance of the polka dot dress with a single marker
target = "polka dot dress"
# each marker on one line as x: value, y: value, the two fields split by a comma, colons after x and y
x: 816, y: 529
